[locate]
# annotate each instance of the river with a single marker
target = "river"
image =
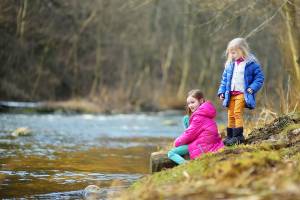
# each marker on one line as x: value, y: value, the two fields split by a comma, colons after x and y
x: 63, y: 154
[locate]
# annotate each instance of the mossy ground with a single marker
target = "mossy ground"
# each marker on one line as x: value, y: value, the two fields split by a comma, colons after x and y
x: 266, y: 167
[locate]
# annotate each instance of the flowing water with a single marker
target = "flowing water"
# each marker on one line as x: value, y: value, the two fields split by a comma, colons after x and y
x: 65, y: 153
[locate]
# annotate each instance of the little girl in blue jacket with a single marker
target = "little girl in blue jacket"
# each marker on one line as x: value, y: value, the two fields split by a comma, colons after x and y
x: 241, y: 80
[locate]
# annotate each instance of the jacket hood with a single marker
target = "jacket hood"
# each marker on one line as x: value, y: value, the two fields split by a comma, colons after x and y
x: 251, y: 58
x: 206, y: 109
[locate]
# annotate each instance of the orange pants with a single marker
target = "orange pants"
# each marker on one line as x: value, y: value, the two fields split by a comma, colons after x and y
x: 236, y: 111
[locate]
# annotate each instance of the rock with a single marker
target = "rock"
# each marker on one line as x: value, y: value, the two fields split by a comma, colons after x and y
x: 296, y: 131
x: 22, y: 131
x: 169, y: 123
x: 283, y: 132
x: 92, y: 192
x: 159, y: 161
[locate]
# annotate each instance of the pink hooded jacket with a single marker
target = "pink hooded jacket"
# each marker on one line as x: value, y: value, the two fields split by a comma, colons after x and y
x: 202, y: 134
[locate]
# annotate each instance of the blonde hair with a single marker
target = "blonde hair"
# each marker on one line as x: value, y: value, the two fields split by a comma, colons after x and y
x: 197, y: 94
x: 237, y: 43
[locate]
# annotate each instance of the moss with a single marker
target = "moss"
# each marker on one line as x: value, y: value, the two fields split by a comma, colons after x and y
x: 289, y: 128
x: 265, y: 168
x: 272, y: 129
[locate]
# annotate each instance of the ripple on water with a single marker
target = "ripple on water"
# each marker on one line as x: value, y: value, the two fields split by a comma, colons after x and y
x: 64, y: 153
x: 73, y: 179
x: 103, y: 194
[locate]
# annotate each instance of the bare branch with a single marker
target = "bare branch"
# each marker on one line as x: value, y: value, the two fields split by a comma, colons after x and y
x: 262, y: 25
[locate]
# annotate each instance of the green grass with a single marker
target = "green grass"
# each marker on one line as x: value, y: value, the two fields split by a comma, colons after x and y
x: 268, y: 169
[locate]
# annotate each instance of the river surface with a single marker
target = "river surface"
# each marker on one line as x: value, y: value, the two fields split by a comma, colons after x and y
x: 66, y: 153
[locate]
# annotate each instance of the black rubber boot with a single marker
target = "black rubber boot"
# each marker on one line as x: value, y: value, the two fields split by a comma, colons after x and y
x: 237, y: 138
x: 229, y: 135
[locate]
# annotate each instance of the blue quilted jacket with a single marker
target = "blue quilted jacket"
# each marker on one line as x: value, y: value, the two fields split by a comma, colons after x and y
x: 253, y: 77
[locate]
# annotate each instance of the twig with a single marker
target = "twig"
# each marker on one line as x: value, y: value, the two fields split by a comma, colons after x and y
x: 261, y: 26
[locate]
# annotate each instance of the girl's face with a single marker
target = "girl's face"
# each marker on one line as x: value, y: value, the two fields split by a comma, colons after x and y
x: 193, y: 103
x: 235, y: 53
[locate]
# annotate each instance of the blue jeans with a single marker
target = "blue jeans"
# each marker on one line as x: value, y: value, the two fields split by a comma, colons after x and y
x: 176, y: 154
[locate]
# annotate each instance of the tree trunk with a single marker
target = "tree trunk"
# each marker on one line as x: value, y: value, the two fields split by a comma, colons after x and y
x: 39, y: 72
x: 21, y: 20
x: 293, y: 34
x: 97, y: 73
x: 188, y: 38
x: 75, y: 70
x: 166, y: 64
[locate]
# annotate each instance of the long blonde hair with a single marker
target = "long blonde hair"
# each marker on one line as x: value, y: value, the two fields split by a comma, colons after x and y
x: 237, y: 43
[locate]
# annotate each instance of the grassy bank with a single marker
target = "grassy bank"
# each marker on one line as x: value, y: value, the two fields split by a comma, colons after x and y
x: 267, y: 167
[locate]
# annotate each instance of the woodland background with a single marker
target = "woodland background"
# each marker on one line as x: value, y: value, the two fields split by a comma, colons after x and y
x: 143, y: 54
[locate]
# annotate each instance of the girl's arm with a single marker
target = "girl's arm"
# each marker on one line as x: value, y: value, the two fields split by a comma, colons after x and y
x: 190, y: 134
x: 185, y: 121
x: 222, y: 87
x: 258, y: 79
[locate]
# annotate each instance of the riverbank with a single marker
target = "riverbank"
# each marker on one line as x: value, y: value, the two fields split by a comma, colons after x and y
x: 79, y: 106
x: 266, y: 167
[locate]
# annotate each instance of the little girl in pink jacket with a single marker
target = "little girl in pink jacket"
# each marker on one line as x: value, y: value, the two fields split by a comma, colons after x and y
x: 202, y: 134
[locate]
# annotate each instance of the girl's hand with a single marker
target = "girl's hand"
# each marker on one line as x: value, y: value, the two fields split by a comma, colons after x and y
x: 221, y: 96
x: 250, y: 90
x: 174, y: 143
